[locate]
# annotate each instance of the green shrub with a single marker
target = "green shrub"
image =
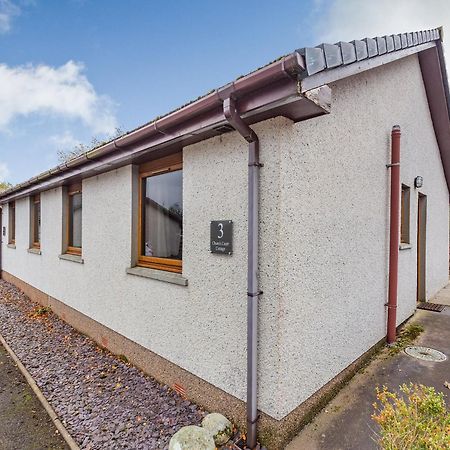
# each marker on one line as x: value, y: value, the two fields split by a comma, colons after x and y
x: 417, y: 419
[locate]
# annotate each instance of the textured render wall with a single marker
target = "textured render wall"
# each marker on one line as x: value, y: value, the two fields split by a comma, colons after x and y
x: 335, y: 222
x: 201, y: 327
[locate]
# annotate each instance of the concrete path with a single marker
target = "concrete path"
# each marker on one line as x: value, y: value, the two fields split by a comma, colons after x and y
x: 24, y: 423
x: 443, y: 297
x: 346, y: 423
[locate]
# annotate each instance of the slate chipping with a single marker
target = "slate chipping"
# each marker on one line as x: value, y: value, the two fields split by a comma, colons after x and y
x: 103, y: 402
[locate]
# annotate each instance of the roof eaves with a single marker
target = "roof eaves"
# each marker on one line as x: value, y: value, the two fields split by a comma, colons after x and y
x: 341, y: 59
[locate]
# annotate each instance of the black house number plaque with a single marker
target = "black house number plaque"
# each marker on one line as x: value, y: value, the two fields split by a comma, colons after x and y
x: 222, y: 237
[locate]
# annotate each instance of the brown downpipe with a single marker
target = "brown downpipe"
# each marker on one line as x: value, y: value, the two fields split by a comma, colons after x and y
x: 394, y: 243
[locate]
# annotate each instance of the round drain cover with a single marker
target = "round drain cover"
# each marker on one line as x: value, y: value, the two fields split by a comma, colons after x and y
x: 425, y: 354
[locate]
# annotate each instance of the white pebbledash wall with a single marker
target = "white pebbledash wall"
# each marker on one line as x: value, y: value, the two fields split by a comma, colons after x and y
x: 324, y: 242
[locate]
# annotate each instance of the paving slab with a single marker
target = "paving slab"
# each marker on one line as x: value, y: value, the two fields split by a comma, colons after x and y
x: 24, y: 423
x: 346, y: 421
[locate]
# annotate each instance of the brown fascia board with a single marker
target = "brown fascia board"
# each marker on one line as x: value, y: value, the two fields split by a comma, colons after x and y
x: 269, y: 92
x: 434, y: 76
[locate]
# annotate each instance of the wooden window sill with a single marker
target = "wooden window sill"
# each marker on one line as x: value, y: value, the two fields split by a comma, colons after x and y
x: 73, y: 258
x: 11, y: 245
x: 34, y: 250
x: 405, y: 246
x: 160, y: 275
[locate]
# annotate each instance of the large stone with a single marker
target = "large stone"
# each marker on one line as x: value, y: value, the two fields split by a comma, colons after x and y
x: 219, y: 426
x: 192, y: 438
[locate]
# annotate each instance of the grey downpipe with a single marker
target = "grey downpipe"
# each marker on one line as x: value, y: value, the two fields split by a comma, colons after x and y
x: 253, y: 292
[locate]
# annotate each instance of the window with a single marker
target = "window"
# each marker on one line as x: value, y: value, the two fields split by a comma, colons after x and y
x: 74, y: 219
x: 405, y: 205
x: 12, y: 222
x: 36, y: 221
x: 161, y: 214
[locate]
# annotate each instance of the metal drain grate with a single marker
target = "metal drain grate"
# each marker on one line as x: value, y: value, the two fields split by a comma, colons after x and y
x: 425, y: 354
x: 430, y: 306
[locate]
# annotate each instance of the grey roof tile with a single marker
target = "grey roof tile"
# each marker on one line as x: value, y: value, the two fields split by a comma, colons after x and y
x: 397, y: 41
x: 333, y: 56
x: 404, y: 40
x: 409, y: 37
x: 389, y: 43
x: 348, y: 52
x: 381, y: 44
x: 372, y: 48
x: 361, y: 50
x: 314, y: 59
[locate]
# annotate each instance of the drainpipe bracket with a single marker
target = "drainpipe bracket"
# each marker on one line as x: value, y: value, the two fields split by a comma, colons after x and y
x: 254, y: 294
x: 254, y: 421
x: 390, y: 306
x: 256, y: 165
x: 388, y: 166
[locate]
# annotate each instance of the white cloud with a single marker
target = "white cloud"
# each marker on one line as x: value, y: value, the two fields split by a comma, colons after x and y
x: 355, y: 19
x: 61, y: 91
x: 8, y: 10
x: 4, y: 171
x: 64, y: 140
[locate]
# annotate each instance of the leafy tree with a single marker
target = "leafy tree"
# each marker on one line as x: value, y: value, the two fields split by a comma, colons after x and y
x: 4, y: 186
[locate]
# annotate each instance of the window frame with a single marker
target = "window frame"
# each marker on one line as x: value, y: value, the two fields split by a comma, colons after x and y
x: 35, y: 226
x: 12, y: 222
x: 405, y: 215
x: 71, y: 191
x: 171, y: 163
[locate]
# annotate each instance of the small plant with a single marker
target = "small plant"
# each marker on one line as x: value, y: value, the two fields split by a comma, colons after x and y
x: 123, y: 358
x: 40, y: 311
x: 406, y: 337
x: 417, y: 419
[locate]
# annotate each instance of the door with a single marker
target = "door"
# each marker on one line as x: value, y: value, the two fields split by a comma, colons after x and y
x: 421, y: 247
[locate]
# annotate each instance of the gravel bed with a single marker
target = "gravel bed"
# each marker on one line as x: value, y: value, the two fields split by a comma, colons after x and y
x: 104, y: 402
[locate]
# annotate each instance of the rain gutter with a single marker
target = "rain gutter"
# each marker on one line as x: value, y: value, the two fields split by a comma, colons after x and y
x: 265, y: 93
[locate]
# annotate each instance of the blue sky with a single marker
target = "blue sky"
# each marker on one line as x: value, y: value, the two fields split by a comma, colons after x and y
x: 74, y: 69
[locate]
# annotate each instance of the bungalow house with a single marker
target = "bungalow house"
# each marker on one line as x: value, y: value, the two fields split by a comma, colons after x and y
x: 250, y: 248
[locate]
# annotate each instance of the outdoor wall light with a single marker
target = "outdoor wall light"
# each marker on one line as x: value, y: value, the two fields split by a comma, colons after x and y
x: 418, y: 182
